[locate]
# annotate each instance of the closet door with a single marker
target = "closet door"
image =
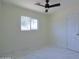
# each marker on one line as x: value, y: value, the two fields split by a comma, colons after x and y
x: 73, y: 31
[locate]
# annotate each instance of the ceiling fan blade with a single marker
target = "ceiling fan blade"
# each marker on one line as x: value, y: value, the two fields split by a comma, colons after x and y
x: 39, y: 4
x: 54, y: 5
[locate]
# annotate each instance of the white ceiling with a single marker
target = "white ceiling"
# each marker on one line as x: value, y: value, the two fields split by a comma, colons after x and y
x: 30, y: 4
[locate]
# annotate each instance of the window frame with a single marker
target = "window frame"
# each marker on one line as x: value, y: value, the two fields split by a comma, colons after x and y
x: 30, y: 22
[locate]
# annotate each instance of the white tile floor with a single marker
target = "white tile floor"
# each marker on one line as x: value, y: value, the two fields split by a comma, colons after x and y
x: 52, y: 53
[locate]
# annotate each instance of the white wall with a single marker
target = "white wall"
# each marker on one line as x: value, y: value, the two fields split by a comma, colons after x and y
x: 0, y: 15
x: 58, y: 30
x: 0, y: 21
x: 1, y: 45
x: 58, y: 25
x: 16, y: 41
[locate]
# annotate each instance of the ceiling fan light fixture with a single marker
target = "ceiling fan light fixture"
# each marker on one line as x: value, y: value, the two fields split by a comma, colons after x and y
x: 46, y: 10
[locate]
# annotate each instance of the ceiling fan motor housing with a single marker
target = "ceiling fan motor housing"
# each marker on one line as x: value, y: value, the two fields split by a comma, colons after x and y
x: 46, y: 5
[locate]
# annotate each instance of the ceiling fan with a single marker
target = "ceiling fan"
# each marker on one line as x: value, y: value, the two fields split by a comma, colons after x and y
x: 47, y: 5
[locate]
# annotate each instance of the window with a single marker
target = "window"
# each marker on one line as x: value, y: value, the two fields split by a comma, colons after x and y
x: 28, y: 23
